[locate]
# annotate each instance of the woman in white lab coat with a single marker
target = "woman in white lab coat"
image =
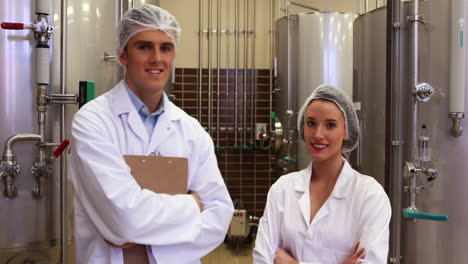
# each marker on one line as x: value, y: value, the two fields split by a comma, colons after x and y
x: 327, y: 213
x: 111, y: 210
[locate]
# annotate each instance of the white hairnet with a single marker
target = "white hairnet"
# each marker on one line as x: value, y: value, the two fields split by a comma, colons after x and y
x: 146, y: 17
x: 344, y: 103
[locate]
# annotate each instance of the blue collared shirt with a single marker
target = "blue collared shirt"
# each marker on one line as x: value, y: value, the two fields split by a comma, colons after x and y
x: 149, y: 119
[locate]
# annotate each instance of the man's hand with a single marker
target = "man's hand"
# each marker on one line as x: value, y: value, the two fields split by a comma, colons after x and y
x: 126, y: 245
x: 358, y: 254
x: 283, y: 257
x: 200, y: 206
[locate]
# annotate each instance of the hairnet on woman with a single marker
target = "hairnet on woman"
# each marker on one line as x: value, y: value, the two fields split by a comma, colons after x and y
x: 327, y: 212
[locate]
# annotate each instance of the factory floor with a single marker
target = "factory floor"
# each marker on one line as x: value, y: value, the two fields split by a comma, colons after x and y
x: 226, y: 254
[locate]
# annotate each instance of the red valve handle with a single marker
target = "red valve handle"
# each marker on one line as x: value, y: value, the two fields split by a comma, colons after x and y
x: 12, y: 26
x: 61, y: 148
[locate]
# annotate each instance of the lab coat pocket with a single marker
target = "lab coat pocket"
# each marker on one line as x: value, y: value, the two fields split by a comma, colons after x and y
x: 327, y: 256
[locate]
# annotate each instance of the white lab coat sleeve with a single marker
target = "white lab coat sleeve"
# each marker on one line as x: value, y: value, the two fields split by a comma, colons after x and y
x: 376, y: 214
x: 120, y: 210
x: 209, y: 186
x: 268, y: 239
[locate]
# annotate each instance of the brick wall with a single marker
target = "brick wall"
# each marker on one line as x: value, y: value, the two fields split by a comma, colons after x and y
x: 244, y: 165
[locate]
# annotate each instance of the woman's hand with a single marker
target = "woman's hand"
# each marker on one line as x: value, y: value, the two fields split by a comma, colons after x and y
x: 357, y: 254
x: 283, y: 257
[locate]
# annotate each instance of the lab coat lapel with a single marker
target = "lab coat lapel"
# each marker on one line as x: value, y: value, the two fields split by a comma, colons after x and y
x: 165, y: 126
x: 302, y: 188
x: 323, y: 212
x: 123, y: 107
x: 163, y: 130
x: 338, y: 194
x: 137, y: 126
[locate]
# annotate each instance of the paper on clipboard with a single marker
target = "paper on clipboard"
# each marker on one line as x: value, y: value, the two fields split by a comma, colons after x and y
x: 159, y: 174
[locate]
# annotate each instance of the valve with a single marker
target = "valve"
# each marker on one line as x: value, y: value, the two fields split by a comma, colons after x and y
x: 431, y: 174
x: 423, y: 92
x: 8, y: 172
x: 41, y: 171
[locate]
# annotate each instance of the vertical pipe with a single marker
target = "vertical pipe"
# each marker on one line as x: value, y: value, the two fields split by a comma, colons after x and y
x: 414, y: 68
x: 366, y: 6
x: 218, y: 31
x: 394, y: 104
x: 200, y: 59
x: 290, y: 111
x: 63, y: 164
x: 246, y: 58
x: 218, y: 38
x: 253, y: 76
x: 272, y: 60
x: 236, y: 51
x: 42, y: 7
x: 228, y: 53
x: 457, y: 67
x: 210, y: 75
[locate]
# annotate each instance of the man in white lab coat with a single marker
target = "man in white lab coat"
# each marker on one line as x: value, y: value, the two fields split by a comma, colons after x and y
x: 136, y: 118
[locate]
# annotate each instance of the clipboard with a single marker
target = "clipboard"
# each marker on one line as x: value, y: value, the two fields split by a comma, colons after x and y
x: 159, y: 174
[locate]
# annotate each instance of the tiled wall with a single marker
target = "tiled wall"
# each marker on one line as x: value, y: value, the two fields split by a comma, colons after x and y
x: 244, y: 165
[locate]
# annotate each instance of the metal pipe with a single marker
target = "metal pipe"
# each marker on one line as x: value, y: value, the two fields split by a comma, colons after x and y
x: 63, y: 164
x: 228, y: 51
x: 41, y: 117
x: 366, y: 6
x: 236, y: 54
x: 218, y: 31
x: 290, y: 111
x: 246, y: 57
x: 457, y: 68
x: 253, y: 76
x: 42, y: 7
x: 396, y: 149
x: 414, y: 68
x: 415, y: 19
x: 200, y: 60
x: 62, y: 99
x: 210, y: 75
x: 8, y: 154
x: 303, y: 6
x: 272, y: 63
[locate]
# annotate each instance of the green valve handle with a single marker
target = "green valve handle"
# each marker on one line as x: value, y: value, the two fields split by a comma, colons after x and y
x: 236, y: 147
x: 87, y: 92
x: 272, y: 115
x: 288, y: 159
x: 220, y: 148
x: 411, y: 214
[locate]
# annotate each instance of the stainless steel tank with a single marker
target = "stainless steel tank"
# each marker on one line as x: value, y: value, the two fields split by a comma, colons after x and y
x: 369, y: 92
x: 420, y: 241
x: 320, y: 52
x: 30, y: 228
